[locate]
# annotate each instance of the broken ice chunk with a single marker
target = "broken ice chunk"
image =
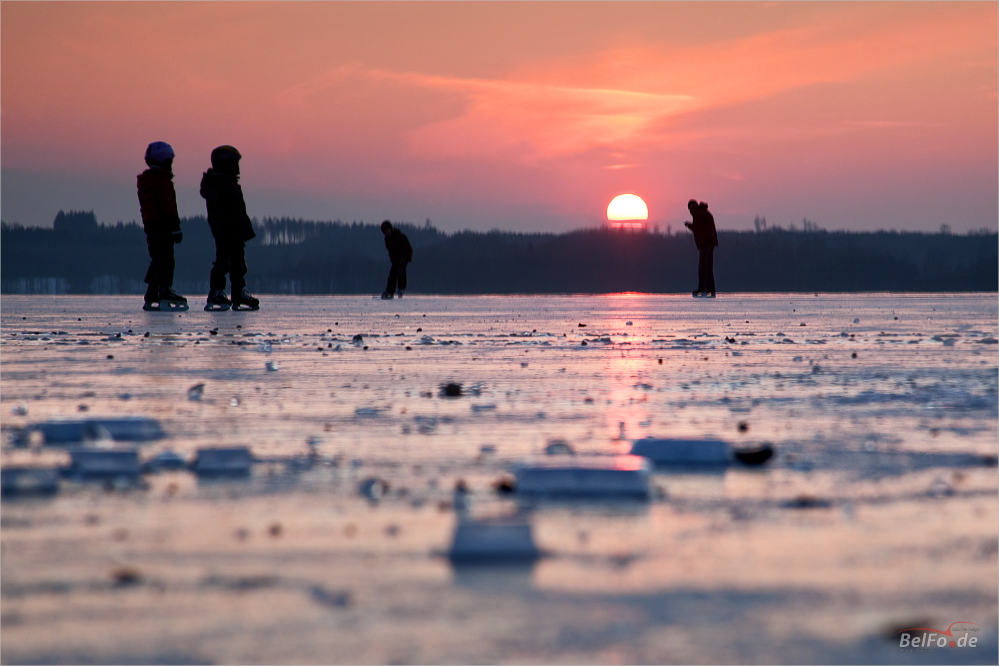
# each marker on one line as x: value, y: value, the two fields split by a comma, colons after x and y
x: 28, y: 481
x: 585, y: 476
x: 123, y: 428
x: 493, y: 541
x: 234, y: 461
x: 103, y: 464
x: 682, y: 451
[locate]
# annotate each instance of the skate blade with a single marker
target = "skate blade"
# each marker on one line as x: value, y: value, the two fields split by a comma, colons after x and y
x: 164, y: 306
x: 217, y: 307
x: 244, y: 306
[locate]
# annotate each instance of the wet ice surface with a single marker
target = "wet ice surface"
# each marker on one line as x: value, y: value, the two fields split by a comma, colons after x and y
x: 878, y: 511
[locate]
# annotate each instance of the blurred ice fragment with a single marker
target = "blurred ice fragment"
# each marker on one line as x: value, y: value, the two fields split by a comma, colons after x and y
x: 483, y: 408
x: 19, y: 409
x: 807, y: 502
x: 234, y: 402
x: 232, y: 462
x: 28, y: 481
x: 373, y: 489
x: 195, y: 392
x: 590, y: 476
x: 460, y: 496
x: 559, y: 447
x: 367, y: 412
x: 165, y: 461
x: 104, y: 464
x: 264, y: 347
x: 451, y: 390
x: 856, y: 321
x: 272, y: 366
x: 682, y: 451
x: 492, y: 541
x: 940, y: 488
x: 122, y: 428
x: 332, y: 599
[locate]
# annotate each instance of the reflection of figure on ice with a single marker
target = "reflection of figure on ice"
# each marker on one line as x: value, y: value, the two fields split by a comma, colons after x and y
x: 231, y: 228
x: 706, y: 240
x: 158, y: 204
x: 401, y: 253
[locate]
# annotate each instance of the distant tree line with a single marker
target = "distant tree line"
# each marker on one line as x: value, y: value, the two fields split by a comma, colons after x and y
x: 80, y: 256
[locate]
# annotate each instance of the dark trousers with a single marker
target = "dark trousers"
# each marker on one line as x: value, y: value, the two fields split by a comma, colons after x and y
x: 396, y: 273
x: 229, y: 260
x: 160, y: 273
x: 706, y: 270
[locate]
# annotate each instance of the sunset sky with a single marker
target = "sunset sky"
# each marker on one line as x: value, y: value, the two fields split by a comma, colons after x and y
x: 524, y: 116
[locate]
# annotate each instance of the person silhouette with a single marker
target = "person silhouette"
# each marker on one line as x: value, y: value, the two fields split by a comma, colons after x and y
x: 231, y: 228
x: 400, y: 253
x: 160, y: 221
x: 706, y: 240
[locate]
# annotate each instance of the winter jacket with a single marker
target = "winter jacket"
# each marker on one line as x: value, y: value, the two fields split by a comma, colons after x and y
x: 226, y: 208
x: 158, y: 202
x: 399, y: 249
x: 703, y: 226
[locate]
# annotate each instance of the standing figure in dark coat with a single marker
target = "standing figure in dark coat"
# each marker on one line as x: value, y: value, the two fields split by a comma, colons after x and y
x: 706, y: 240
x: 158, y: 204
x: 231, y: 228
x: 400, y: 253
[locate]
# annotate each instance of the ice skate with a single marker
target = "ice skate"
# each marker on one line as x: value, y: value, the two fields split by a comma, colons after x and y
x: 698, y: 294
x: 387, y: 296
x: 244, y: 301
x: 165, y: 300
x: 710, y: 294
x: 151, y: 299
x: 399, y: 294
x: 217, y: 301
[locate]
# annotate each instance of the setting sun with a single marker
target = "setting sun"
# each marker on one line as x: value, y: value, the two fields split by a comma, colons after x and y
x: 627, y: 210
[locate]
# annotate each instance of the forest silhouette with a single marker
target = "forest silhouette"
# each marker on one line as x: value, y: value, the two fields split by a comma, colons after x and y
x: 80, y: 256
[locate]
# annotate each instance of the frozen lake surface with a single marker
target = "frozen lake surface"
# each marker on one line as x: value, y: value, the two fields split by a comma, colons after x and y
x: 878, y: 511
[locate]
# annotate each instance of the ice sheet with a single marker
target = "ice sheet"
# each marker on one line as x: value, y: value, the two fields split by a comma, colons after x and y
x: 878, y: 510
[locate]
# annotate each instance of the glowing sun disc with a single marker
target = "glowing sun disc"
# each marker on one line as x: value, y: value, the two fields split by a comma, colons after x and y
x: 627, y: 207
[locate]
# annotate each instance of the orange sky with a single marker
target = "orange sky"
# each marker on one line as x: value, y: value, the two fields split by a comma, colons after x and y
x: 526, y: 116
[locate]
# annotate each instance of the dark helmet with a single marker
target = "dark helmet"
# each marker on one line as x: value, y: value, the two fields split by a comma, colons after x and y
x: 226, y: 159
x: 159, y: 151
x: 386, y: 226
x: 692, y: 204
